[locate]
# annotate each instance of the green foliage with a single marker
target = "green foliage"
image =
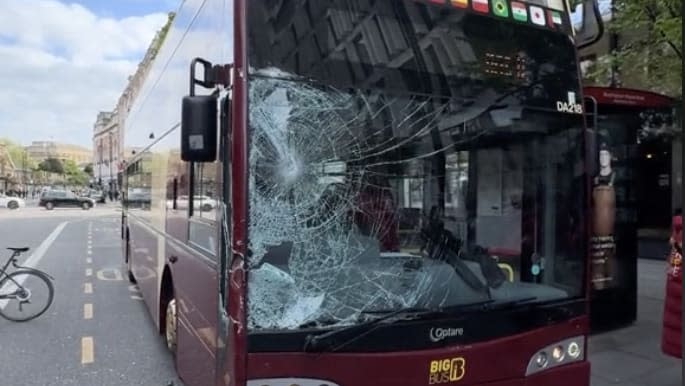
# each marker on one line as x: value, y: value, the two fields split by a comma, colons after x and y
x: 88, y: 169
x: 157, y: 43
x: 19, y: 156
x: 72, y: 174
x: 650, y: 45
x: 70, y: 168
x: 79, y: 179
x: 51, y: 165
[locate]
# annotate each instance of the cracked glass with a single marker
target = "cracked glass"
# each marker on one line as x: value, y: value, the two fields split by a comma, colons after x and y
x: 406, y: 155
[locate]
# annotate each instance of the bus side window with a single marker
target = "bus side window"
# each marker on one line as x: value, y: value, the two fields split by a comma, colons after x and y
x: 205, y: 207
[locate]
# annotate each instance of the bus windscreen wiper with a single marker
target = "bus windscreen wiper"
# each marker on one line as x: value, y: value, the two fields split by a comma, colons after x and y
x: 507, y: 303
x: 314, y: 342
x: 322, y: 341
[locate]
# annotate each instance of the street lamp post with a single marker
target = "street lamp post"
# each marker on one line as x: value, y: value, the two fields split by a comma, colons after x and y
x: 111, y: 184
x: 99, y: 160
x: 23, y: 174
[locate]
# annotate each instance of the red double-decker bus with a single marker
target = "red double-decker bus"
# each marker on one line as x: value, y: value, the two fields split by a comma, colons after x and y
x: 357, y: 193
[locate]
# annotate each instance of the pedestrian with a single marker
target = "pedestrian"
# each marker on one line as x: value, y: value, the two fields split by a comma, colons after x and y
x: 672, y: 318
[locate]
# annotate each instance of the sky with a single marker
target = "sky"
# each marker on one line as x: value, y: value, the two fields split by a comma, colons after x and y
x: 63, y: 61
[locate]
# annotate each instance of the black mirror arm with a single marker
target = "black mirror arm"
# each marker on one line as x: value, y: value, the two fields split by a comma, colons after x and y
x: 214, y: 75
x: 600, y: 23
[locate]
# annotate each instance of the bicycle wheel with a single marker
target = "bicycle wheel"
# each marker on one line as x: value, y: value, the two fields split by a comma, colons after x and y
x: 25, y: 295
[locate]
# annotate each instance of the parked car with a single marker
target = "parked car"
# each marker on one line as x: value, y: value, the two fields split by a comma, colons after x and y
x: 203, y: 203
x: 97, y: 196
x: 64, y: 198
x: 138, y: 199
x: 11, y: 202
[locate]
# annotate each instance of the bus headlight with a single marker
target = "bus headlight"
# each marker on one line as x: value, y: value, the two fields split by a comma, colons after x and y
x: 561, y: 353
x: 558, y: 353
x: 541, y: 359
x: 289, y: 382
x: 573, y: 350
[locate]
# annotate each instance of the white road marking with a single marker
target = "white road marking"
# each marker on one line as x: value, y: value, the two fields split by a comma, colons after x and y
x: 33, y: 260
x: 109, y: 274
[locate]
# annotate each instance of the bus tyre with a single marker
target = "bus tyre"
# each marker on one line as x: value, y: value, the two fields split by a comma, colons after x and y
x: 170, y: 327
x: 129, y: 263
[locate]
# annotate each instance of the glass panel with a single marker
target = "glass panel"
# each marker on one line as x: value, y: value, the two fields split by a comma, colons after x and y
x: 394, y: 164
x: 205, y: 201
x: 138, y: 193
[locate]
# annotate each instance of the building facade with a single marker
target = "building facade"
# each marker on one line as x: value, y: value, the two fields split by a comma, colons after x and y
x: 109, y: 155
x: 106, y: 154
x: 42, y: 150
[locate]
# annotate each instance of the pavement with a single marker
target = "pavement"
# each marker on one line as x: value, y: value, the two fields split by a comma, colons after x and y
x: 632, y: 356
x: 97, y: 331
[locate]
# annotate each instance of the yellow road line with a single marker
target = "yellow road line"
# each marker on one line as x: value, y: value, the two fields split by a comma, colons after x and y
x: 87, y: 354
x: 88, y: 311
x: 88, y: 288
x: 89, y: 272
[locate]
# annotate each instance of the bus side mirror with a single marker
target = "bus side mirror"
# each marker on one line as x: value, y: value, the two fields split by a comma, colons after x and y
x: 591, y: 26
x: 199, y: 128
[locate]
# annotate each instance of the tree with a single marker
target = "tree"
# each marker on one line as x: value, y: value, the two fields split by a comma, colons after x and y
x: 70, y: 168
x: 88, y: 169
x: 650, y: 47
x: 52, y: 165
x: 74, y: 174
x: 18, y: 154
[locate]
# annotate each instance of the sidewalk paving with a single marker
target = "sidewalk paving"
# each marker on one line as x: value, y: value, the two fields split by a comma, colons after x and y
x: 632, y: 356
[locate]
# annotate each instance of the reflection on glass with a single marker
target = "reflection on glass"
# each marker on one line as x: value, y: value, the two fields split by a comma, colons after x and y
x: 403, y: 179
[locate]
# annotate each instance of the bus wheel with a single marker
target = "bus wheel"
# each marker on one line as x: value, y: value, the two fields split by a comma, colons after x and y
x: 170, y: 327
x: 129, y: 263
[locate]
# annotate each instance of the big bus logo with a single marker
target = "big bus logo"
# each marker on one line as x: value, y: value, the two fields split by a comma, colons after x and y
x: 446, y: 370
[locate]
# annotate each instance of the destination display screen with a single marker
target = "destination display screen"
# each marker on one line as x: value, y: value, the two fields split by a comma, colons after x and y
x: 509, y: 67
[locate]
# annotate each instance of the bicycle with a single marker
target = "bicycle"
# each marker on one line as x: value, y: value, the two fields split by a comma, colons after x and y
x: 21, y: 285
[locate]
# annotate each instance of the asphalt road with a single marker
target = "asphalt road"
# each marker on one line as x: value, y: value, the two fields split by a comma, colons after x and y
x: 98, y: 330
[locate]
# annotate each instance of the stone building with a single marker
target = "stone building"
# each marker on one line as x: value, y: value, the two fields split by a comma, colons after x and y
x: 41, y: 150
x: 109, y: 127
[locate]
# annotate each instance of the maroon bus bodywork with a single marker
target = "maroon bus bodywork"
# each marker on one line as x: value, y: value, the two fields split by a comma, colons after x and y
x: 500, y: 362
x: 214, y: 343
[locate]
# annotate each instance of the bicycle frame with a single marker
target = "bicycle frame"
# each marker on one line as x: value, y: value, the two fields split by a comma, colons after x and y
x: 13, y: 260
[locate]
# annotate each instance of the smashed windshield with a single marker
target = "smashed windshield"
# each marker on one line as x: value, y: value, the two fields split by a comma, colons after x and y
x: 405, y: 180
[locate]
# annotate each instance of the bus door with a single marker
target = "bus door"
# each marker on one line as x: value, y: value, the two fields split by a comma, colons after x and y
x: 198, y: 274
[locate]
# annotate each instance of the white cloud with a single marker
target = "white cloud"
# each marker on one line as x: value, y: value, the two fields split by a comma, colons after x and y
x: 61, y: 64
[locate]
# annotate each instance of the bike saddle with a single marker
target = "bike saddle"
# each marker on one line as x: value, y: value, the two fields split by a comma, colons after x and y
x: 22, y: 249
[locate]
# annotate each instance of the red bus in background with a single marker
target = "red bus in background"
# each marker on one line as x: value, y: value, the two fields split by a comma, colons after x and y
x: 635, y: 129
x: 364, y: 193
